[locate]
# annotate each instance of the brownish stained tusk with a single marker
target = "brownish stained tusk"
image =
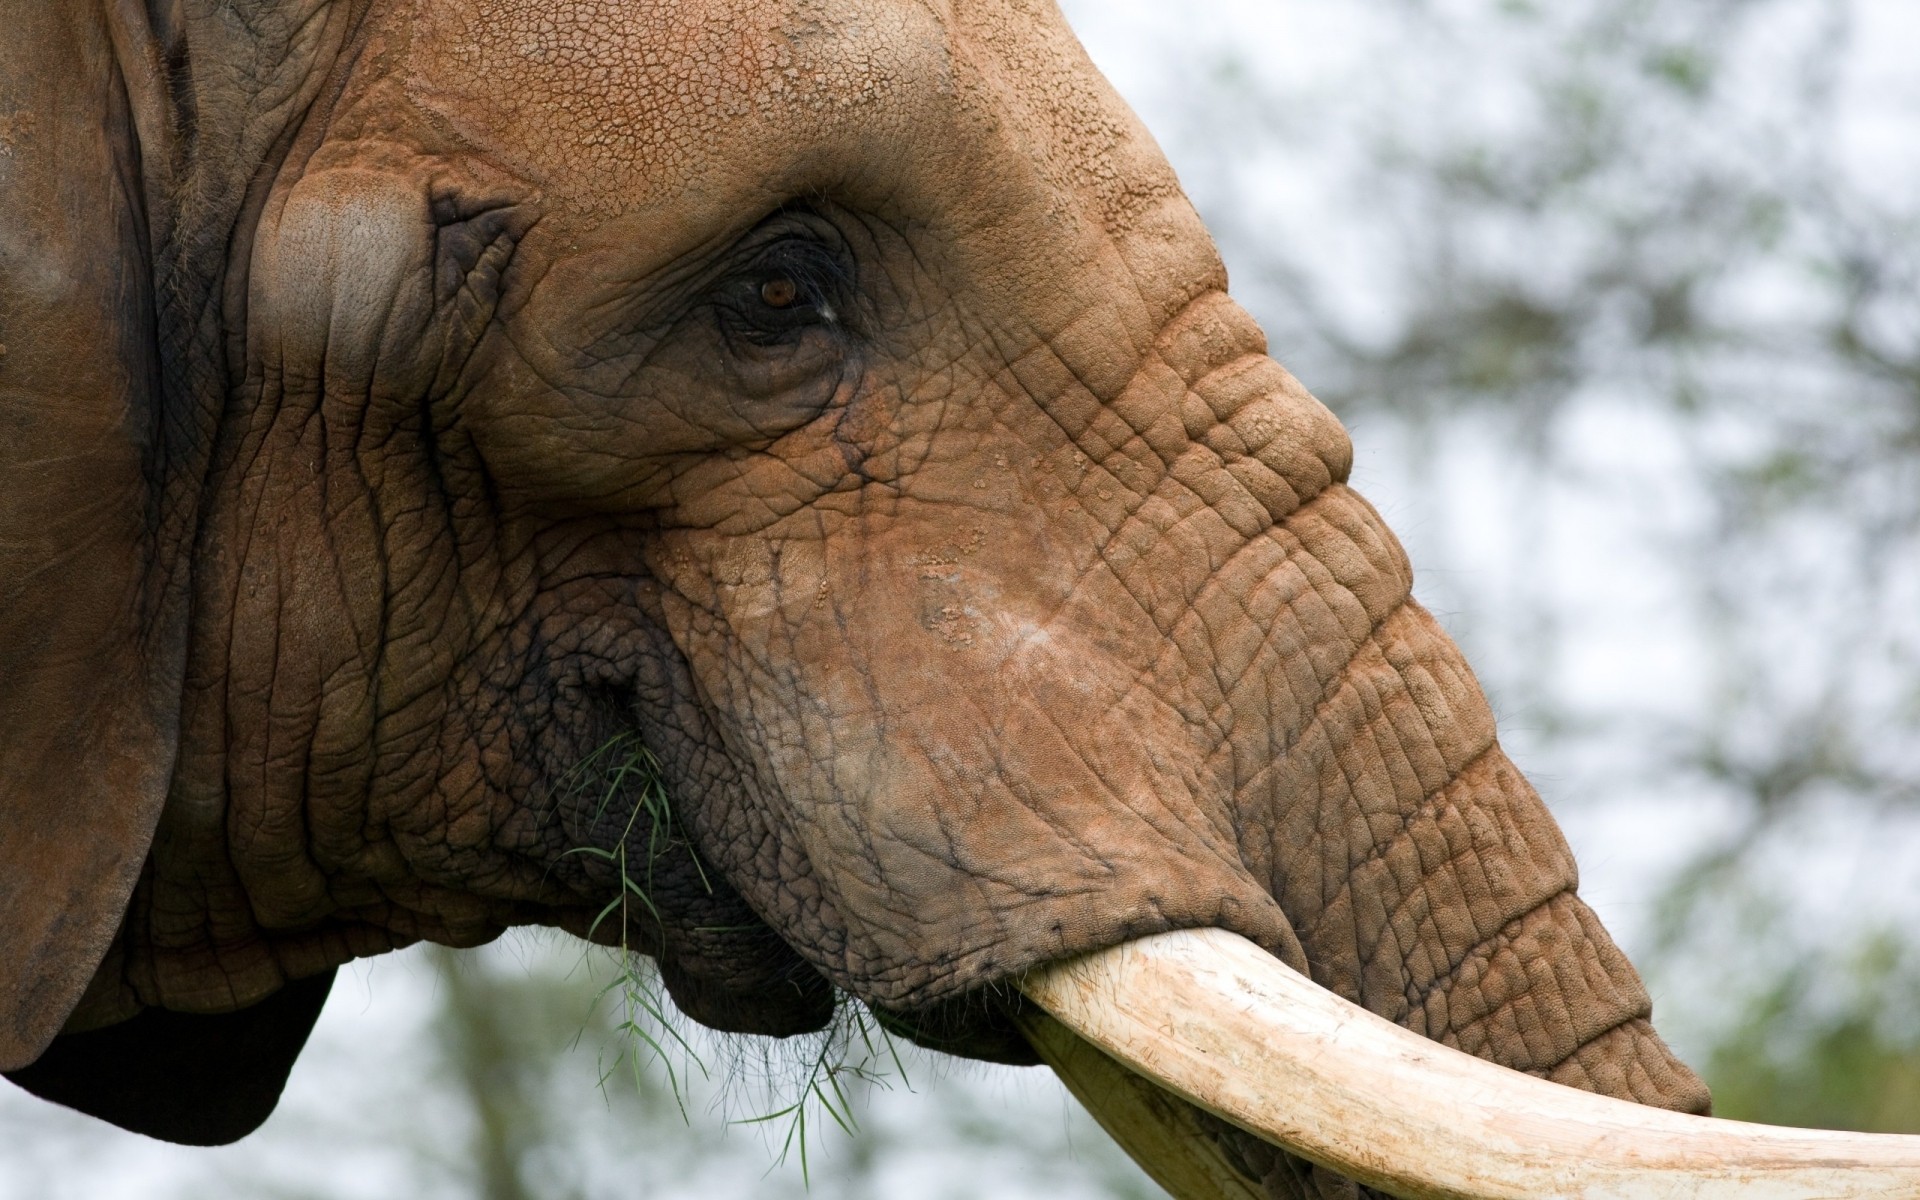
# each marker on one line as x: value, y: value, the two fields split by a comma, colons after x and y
x: 1214, y: 1019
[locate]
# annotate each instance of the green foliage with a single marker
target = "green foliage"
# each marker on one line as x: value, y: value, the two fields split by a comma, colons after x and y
x: 848, y: 1059
x: 623, y: 769
x: 852, y: 1056
x: 1830, y: 1049
x: 1685, y: 68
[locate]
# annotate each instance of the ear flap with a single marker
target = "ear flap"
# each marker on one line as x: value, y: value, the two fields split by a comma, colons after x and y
x: 91, y: 624
x: 182, y: 1077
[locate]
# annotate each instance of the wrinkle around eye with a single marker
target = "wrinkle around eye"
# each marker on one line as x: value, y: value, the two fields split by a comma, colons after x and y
x: 616, y: 392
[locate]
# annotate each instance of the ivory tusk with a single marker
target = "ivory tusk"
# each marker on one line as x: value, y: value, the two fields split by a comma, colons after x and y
x: 1157, y: 1129
x: 1217, y: 1021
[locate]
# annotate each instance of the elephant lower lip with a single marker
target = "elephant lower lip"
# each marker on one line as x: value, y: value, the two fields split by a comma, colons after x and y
x: 1217, y: 1022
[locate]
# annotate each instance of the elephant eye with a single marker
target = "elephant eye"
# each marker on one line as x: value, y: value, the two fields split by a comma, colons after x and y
x: 789, y: 287
x: 779, y: 292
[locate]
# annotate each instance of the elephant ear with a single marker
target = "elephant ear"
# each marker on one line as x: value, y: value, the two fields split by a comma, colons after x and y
x: 91, y: 608
x: 183, y: 1077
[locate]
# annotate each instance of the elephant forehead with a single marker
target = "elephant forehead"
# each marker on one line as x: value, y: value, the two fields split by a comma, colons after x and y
x: 618, y: 104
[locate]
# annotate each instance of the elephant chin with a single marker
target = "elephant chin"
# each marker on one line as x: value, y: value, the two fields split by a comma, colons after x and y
x: 1182, y: 1043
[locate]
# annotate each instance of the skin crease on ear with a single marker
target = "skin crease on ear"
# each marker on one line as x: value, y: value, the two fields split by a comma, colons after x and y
x: 1011, y: 605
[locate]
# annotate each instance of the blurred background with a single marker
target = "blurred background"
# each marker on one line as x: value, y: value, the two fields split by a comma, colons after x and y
x: 1621, y: 302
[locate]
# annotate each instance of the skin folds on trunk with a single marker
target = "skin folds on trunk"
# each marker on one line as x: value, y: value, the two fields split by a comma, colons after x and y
x: 1421, y: 872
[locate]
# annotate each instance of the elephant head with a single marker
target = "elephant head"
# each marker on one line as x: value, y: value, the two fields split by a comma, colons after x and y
x: 413, y: 407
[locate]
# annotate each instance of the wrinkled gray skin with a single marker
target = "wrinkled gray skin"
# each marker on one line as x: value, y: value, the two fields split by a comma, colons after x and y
x: 838, y: 398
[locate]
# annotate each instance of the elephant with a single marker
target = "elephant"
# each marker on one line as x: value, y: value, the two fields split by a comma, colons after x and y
x: 417, y: 412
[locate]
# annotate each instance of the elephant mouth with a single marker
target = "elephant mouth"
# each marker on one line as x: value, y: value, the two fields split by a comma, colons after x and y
x: 1163, y: 1037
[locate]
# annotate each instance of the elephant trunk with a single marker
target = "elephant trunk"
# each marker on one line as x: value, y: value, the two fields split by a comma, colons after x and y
x: 1419, y: 875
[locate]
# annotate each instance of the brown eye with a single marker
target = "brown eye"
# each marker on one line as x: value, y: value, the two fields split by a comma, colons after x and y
x: 787, y: 291
x: 779, y: 292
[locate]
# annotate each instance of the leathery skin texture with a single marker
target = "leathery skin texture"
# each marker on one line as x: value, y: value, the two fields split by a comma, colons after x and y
x: 840, y: 399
